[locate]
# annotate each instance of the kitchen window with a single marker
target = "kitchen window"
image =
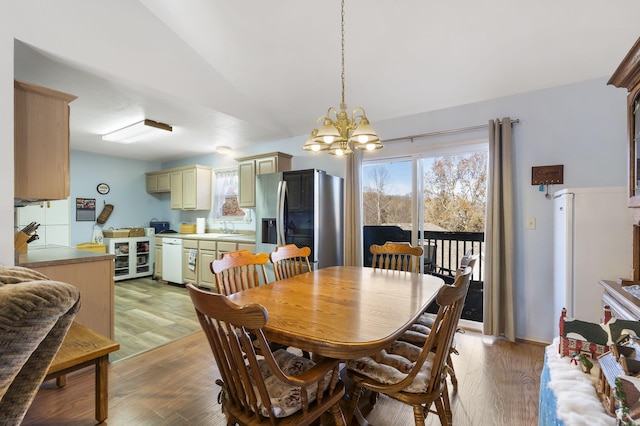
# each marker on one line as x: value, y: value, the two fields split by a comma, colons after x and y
x: 225, y: 195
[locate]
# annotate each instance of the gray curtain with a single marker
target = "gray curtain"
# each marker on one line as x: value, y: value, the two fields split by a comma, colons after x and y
x: 499, y: 298
x: 352, y: 211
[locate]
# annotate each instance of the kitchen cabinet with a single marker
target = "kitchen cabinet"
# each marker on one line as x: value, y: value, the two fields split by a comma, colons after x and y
x: 627, y: 76
x: 157, y: 266
x: 190, y: 261
x: 191, y: 188
x: 53, y: 217
x: 249, y: 167
x: 207, y: 253
x: 134, y: 256
x: 41, y: 142
x: 91, y: 272
x: 158, y: 182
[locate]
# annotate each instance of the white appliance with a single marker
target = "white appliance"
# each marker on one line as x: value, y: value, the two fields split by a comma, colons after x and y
x: 592, y: 242
x: 172, y: 260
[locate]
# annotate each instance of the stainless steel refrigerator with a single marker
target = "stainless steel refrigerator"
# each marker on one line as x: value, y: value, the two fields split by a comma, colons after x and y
x: 305, y: 208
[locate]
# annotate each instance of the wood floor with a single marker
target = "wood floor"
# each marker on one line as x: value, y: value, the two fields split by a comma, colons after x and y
x: 148, y: 314
x: 174, y: 385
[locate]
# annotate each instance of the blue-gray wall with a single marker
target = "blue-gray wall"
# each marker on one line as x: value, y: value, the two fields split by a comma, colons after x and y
x: 580, y: 125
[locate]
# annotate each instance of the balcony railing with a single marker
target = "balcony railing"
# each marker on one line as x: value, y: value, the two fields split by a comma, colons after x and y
x: 449, y: 247
x: 442, y: 255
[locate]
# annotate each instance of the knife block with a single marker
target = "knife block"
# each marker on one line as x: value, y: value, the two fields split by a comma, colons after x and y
x: 20, y: 242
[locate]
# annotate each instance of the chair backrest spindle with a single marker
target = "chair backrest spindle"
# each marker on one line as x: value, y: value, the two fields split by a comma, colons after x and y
x: 396, y: 256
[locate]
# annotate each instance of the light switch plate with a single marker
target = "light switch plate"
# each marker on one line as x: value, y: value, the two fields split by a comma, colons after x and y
x: 531, y: 223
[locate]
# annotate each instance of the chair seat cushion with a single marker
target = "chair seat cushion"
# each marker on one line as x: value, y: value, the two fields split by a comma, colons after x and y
x: 285, y: 398
x: 392, y: 365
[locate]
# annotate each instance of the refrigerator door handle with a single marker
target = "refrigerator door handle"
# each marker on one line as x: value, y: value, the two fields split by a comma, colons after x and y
x: 282, y: 190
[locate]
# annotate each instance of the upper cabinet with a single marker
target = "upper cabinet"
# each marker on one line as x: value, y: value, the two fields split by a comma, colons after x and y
x: 249, y: 167
x: 41, y: 142
x: 628, y: 76
x: 158, y: 181
x: 191, y: 188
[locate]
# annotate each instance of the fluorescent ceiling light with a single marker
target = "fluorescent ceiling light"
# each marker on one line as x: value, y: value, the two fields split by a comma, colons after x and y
x: 138, y: 131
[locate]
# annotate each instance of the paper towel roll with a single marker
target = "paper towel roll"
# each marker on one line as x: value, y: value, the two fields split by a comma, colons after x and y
x: 200, y: 225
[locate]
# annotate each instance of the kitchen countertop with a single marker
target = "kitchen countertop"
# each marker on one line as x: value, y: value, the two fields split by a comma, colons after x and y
x: 237, y: 238
x: 59, y: 256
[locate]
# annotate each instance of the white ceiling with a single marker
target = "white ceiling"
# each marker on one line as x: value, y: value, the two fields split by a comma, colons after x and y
x: 277, y: 64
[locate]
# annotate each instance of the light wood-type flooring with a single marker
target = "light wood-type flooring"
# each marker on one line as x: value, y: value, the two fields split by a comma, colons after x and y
x: 148, y: 314
x: 174, y: 385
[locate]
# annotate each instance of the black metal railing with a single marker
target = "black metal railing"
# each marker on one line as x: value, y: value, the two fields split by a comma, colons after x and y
x: 449, y: 247
x: 442, y: 254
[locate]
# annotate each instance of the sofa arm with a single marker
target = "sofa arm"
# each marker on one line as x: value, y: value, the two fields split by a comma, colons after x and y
x: 34, y: 318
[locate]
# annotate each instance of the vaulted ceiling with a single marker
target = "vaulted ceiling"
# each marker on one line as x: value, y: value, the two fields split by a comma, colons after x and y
x: 275, y: 66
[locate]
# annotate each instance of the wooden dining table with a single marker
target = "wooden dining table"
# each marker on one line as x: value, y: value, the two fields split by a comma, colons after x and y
x: 342, y: 312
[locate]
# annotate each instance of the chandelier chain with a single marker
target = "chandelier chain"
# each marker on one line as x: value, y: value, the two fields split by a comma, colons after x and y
x: 346, y: 133
x: 342, y: 34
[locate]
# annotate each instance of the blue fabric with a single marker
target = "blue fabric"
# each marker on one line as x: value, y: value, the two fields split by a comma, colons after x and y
x: 547, y: 410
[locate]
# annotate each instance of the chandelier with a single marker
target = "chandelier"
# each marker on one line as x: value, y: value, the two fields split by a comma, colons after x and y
x: 339, y: 133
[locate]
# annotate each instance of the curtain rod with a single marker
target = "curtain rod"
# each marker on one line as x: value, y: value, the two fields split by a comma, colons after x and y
x: 444, y: 132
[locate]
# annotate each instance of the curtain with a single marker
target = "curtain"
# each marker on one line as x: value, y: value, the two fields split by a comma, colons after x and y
x: 353, y: 211
x: 499, y: 319
x: 225, y: 190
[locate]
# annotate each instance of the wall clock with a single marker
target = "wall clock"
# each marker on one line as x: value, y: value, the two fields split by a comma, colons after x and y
x: 103, y: 188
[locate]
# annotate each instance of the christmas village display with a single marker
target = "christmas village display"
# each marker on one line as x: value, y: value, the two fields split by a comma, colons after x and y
x: 615, y: 347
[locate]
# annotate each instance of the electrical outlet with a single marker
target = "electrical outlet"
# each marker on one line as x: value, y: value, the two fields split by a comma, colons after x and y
x: 531, y: 223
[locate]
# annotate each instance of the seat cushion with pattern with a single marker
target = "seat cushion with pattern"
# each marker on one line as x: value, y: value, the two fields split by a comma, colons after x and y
x: 286, y: 398
x: 390, y: 366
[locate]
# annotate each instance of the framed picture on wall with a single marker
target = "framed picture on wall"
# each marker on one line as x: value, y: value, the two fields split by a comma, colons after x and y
x: 85, y: 209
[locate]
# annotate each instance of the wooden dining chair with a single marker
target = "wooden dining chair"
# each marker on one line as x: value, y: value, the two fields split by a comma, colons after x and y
x: 274, y: 388
x: 419, y: 332
x: 239, y: 270
x: 290, y: 260
x: 396, y: 256
x: 412, y: 374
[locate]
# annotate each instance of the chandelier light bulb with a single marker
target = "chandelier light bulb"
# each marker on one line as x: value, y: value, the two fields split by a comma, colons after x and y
x: 315, y: 148
x: 363, y: 139
x: 328, y: 139
x: 339, y: 152
x: 370, y: 146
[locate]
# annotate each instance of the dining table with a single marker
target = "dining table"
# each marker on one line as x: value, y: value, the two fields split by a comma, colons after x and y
x: 342, y: 312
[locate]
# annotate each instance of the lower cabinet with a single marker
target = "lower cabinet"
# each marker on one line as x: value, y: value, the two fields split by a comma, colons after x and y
x: 208, y: 251
x: 197, y: 256
x: 189, y: 261
x: 94, y: 279
x: 206, y: 255
x: 134, y: 256
x: 157, y: 264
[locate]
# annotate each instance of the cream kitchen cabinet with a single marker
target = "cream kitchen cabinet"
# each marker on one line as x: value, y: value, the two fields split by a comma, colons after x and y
x: 190, y: 261
x: 191, y: 188
x: 206, y: 254
x: 157, y: 266
x: 41, y: 142
x: 134, y: 256
x: 207, y: 251
x: 249, y: 167
x: 158, y: 182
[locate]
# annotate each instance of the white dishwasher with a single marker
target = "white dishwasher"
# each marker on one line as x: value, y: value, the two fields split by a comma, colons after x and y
x: 172, y: 260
